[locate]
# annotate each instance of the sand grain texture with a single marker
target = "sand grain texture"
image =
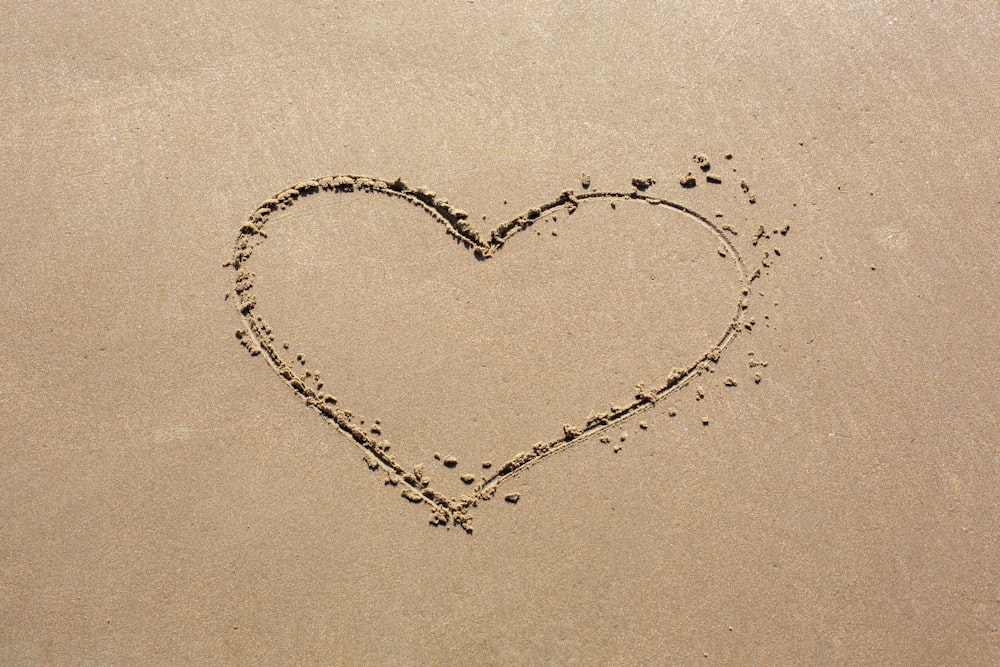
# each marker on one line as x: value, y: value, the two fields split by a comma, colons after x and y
x: 824, y: 492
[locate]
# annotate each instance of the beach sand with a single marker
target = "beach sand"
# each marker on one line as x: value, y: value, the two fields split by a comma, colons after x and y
x: 538, y: 334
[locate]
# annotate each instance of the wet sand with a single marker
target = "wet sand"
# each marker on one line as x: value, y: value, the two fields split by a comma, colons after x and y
x: 474, y: 335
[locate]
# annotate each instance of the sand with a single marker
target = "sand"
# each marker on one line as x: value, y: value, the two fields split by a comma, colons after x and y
x: 479, y: 334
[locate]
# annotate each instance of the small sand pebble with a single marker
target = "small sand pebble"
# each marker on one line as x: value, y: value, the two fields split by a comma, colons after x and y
x: 704, y: 421
x: 585, y: 181
x: 730, y: 382
x: 672, y: 412
x: 512, y: 498
x: 487, y: 465
x: 643, y: 425
x: 623, y: 437
x: 450, y: 461
x: 688, y: 180
x: 468, y: 478
x: 617, y: 448
x: 642, y: 183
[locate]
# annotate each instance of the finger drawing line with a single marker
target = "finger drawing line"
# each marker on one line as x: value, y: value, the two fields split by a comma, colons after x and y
x: 258, y: 337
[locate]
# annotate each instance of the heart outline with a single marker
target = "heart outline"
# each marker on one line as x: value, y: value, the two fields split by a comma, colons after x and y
x: 258, y: 337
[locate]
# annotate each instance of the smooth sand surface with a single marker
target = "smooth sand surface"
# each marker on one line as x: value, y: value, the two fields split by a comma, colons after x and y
x: 816, y: 483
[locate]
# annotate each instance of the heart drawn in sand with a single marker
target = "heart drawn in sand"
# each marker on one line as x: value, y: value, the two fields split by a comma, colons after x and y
x: 261, y: 340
